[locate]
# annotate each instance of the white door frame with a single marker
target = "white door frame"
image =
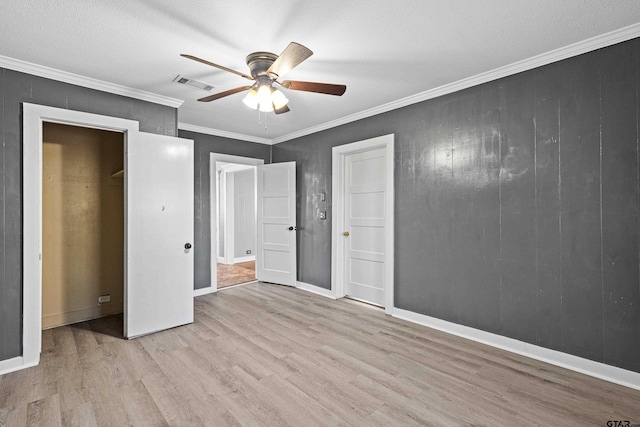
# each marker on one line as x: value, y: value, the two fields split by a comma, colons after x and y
x: 33, y: 118
x: 213, y: 190
x: 337, y: 226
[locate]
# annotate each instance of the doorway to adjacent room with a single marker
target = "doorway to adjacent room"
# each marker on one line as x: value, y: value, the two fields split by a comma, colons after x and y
x: 233, y: 220
x: 236, y: 223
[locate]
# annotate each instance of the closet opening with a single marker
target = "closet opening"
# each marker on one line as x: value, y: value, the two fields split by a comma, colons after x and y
x: 83, y: 222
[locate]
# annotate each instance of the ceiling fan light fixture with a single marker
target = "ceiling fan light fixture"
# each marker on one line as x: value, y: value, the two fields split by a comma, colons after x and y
x: 278, y: 99
x: 266, y: 68
x: 264, y: 99
x: 251, y: 100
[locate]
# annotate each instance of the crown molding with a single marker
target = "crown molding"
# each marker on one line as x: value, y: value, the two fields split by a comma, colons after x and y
x: 594, y: 43
x: 588, y: 45
x: 88, y: 82
x: 223, y: 133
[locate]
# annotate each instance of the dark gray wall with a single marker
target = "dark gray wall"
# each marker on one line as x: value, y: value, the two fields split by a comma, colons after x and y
x: 16, y: 88
x: 517, y: 205
x: 203, y: 146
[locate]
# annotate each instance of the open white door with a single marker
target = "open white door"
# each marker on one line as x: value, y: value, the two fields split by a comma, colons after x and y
x: 276, y: 255
x: 159, y: 227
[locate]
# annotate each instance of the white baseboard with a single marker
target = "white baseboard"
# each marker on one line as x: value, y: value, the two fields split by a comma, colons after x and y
x: 328, y: 293
x: 82, y: 315
x: 204, y: 291
x: 15, y: 364
x: 244, y: 259
x: 588, y: 367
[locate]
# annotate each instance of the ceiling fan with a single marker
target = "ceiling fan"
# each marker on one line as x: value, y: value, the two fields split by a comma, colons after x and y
x: 266, y: 68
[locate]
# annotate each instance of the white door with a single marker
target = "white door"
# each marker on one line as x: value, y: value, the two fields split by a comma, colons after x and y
x: 276, y: 255
x: 364, y: 221
x: 159, y: 227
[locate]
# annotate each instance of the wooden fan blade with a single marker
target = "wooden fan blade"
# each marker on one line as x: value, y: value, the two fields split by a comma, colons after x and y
x: 221, y: 67
x: 326, y: 88
x: 223, y: 94
x: 290, y: 58
x: 282, y: 110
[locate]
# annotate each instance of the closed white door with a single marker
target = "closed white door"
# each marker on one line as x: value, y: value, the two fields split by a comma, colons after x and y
x: 364, y: 233
x: 276, y: 255
x: 159, y: 228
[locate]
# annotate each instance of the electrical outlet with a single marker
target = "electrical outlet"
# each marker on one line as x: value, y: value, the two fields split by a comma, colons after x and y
x: 248, y: 251
x: 103, y: 299
x: 323, y: 214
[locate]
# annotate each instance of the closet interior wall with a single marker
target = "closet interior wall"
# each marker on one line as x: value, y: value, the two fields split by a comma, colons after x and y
x: 83, y: 224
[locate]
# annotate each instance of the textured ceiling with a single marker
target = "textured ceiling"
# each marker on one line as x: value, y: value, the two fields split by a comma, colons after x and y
x: 382, y: 50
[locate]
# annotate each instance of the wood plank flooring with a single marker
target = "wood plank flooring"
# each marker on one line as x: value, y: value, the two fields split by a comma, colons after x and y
x: 269, y: 355
x: 234, y: 274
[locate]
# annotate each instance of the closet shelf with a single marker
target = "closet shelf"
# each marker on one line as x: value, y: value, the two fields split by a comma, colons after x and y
x: 118, y: 174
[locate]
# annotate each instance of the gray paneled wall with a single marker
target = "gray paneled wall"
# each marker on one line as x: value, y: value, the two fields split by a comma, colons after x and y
x: 204, y: 145
x: 16, y: 88
x: 517, y: 205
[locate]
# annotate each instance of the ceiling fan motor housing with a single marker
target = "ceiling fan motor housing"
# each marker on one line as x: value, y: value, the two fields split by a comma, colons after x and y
x: 259, y: 63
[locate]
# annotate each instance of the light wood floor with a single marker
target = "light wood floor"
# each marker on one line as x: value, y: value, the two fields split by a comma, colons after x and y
x: 264, y: 354
x: 234, y: 274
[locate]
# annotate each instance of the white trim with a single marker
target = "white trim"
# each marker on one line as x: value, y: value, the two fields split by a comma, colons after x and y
x: 223, y: 133
x: 76, y: 316
x: 33, y: 117
x: 213, y: 158
x: 337, y: 211
x: 220, y: 182
x: 575, y: 49
x: 88, y: 82
x: 15, y: 364
x: 244, y: 259
x: 234, y: 167
x: 328, y: 293
x: 204, y: 291
x: 578, y: 364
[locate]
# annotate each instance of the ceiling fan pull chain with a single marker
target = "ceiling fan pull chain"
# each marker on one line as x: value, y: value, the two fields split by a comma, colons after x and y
x: 261, y: 122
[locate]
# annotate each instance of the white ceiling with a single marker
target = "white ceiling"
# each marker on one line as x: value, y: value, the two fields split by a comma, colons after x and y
x: 383, y: 51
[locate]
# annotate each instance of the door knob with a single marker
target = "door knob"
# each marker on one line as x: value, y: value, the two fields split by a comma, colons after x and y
x: 346, y: 234
x: 292, y: 228
x: 187, y: 245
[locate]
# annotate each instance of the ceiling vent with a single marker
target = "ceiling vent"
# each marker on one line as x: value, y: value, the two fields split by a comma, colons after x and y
x: 193, y: 83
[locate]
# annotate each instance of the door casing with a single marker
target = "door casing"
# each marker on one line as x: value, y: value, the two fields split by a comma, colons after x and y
x: 213, y: 192
x: 338, y: 210
x: 33, y: 118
